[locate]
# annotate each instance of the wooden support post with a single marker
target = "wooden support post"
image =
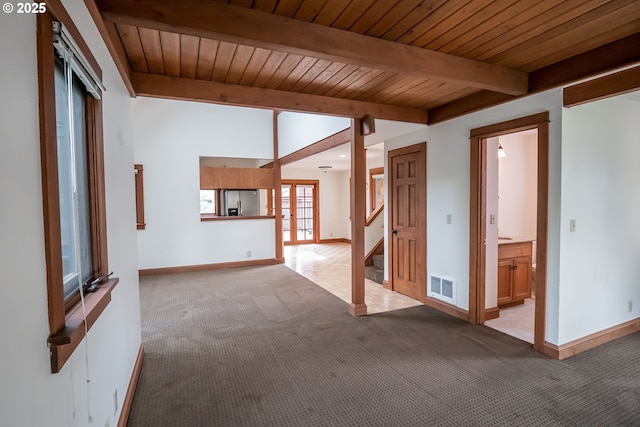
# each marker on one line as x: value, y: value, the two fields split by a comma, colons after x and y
x: 277, y: 188
x: 358, y: 217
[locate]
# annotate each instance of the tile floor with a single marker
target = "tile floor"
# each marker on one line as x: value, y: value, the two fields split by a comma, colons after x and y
x: 329, y: 266
x: 517, y: 321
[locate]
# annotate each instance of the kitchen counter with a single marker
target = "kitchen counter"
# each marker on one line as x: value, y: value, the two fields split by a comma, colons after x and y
x: 513, y: 239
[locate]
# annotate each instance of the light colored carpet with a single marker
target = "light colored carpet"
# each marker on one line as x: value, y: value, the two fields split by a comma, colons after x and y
x: 266, y: 347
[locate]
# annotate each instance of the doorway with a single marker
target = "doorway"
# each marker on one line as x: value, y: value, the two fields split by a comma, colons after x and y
x: 515, y: 267
x: 300, y: 212
x: 407, y: 219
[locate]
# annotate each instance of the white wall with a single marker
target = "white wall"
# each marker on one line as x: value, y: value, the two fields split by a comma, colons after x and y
x: 297, y: 130
x: 518, y: 186
x: 334, y: 200
x: 448, y: 192
x: 30, y: 394
x: 600, y: 270
x: 170, y: 136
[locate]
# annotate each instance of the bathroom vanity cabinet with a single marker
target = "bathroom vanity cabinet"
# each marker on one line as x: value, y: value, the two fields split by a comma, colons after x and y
x: 514, y: 272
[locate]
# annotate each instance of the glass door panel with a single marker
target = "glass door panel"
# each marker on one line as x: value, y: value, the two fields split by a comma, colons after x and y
x: 304, y: 208
x: 287, y: 217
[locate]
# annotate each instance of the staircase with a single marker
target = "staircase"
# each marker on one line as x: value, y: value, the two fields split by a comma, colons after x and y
x: 375, y: 272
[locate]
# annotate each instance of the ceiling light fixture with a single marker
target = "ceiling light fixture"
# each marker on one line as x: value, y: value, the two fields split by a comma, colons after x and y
x: 501, y: 152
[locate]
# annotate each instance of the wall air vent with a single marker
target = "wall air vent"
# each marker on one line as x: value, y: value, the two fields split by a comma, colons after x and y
x: 442, y: 288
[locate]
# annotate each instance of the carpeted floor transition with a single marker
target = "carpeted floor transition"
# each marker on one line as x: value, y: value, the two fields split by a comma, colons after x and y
x: 266, y: 347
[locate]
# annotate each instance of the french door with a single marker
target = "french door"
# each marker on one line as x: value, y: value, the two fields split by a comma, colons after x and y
x: 299, y: 212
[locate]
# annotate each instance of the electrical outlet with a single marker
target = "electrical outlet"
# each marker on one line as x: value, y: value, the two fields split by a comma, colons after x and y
x: 248, y: 254
x: 572, y: 225
x: 115, y: 401
x: 449, y: 219
x: 629, y: 306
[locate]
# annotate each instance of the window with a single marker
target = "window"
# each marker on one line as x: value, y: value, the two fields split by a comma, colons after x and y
x: 376, y: 188
x: 208, y: 199
x: 73, y: 180
x: 72, y: 183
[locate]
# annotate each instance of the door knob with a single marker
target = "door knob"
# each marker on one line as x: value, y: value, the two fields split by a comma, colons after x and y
x: 394, y: 231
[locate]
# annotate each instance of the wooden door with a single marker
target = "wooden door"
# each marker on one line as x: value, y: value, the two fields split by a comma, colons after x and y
x: 408, y: 220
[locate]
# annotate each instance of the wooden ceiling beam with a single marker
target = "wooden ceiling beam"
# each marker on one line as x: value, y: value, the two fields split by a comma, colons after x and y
x: 604, y: 59
x: 332, y: 141
x: 158, y: 86
x: 218, y: 21
x: 604, y: 87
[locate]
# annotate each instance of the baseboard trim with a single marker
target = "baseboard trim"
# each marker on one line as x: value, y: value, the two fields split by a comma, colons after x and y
x: 386, y: 284
x: 491, y: 313
x: 280, y: 260
x: 593, y: 340
x: 551, y: 350
x: 205, y: 267
x: 131, y: 389
x: 451, y: 310
x: 339, y: 240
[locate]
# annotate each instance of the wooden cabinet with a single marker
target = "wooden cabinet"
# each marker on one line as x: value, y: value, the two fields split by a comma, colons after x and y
x: 514, y: 272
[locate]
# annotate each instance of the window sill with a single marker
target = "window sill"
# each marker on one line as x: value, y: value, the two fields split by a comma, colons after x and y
x: 63, y: 344
x: 209, y: 217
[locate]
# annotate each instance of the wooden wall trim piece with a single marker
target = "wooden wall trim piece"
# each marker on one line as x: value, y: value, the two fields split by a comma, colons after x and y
x: 542, y: 236
x: 335, y: 240
x: 212, y: 178
x: 139, y: 171
x: 604, y: 87
x: 551, y: 350
x: 449, y: 309
x: 49, y: 166
x: 599, y: 338
x: 205, y: 267
x: 335, y: 140
x: 491, y: 313
x: 240, y: 25
x: 131, y: 389
x: 511, y: 126
x: 157, y: 86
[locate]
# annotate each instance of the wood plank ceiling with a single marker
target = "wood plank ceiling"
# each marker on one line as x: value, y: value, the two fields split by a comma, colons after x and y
x: 246, y: 44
